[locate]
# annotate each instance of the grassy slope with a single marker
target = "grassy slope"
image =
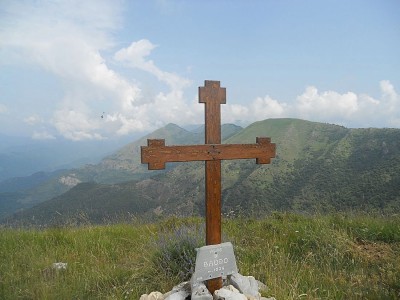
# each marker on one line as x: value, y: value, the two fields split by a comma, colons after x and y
x: 329, y: 257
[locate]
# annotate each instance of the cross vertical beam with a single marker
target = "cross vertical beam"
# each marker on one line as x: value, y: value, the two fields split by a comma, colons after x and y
x: 212, y: 95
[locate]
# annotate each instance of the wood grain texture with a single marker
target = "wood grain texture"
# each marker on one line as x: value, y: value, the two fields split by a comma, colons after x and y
x: 212, y: 95
x: 156, y: 154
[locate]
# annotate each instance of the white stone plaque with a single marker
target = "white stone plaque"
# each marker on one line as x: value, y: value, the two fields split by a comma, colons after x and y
x: 214, y: 261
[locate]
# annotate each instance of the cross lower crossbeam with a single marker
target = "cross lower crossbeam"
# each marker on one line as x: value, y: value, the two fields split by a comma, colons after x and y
x: 156, y: 154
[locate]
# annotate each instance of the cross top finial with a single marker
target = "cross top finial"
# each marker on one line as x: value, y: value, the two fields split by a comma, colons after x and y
x: 212, y: 92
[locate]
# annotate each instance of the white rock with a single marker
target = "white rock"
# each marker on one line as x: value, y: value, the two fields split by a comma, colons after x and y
x: 232, y: 288
x: 156, y: 296
x: 228, y: 293
x: 200, y: 292
x: 152, y: 296
x: 247, y: 285
x: 60, y: 266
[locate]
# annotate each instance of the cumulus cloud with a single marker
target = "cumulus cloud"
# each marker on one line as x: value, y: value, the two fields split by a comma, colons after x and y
x: 326, y: 105
x: 390, y: 103
x: 349, y: 109
x: 259, y: 109
x: 66, y: 39
x: 390, y: 98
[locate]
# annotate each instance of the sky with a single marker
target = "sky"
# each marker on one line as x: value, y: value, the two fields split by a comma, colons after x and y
x: 93, y: 70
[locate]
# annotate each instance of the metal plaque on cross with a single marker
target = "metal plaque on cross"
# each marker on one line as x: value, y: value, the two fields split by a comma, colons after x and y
x: 214, y: 261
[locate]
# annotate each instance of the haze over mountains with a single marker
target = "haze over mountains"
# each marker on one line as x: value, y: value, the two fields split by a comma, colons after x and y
x: 319, y: 168
x: 23, y: 156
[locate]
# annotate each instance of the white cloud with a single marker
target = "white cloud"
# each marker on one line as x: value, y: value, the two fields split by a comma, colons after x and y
x: 129, y: 125
x: 348, y: 109
x: 390, y: 103
x: 390, y: 99
x: 73, y: 41
x: 163, y: 107
x: 268, y: 106
x: 76, y: 125
x: 67, y: 39
x: 325, y: 105
x: 259, y: 109
x: 136, y: 55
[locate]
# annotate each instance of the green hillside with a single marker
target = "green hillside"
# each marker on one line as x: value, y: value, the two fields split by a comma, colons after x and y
x: 88, y: 202
x: 321, y: 168
x: 123, y: 165
x: 318, y: 168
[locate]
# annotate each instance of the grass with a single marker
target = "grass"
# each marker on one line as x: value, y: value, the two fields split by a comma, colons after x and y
x: 325, y: 257
x: 298, y: 257
x: 103, y: 262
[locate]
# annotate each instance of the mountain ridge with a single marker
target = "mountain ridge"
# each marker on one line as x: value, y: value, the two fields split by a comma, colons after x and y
x: 120, y: 166
x: 318, y: 168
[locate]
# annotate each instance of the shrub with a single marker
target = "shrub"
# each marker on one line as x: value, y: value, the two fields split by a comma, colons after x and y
x: 175, y: 254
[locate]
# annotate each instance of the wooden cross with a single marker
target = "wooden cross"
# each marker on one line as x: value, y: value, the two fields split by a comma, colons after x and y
x: 156, y: 154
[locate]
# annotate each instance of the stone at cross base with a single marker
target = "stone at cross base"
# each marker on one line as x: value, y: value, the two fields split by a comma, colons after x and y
x: 236, y: 287
x: 156, y: 154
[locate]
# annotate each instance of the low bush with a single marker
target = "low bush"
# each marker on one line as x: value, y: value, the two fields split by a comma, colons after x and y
x: 175, y: 251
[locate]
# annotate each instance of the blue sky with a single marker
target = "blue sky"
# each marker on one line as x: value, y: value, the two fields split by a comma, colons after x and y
x: 99, y: 69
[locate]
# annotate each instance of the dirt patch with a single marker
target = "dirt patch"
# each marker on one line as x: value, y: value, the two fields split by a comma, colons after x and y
x: 374, y: 251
